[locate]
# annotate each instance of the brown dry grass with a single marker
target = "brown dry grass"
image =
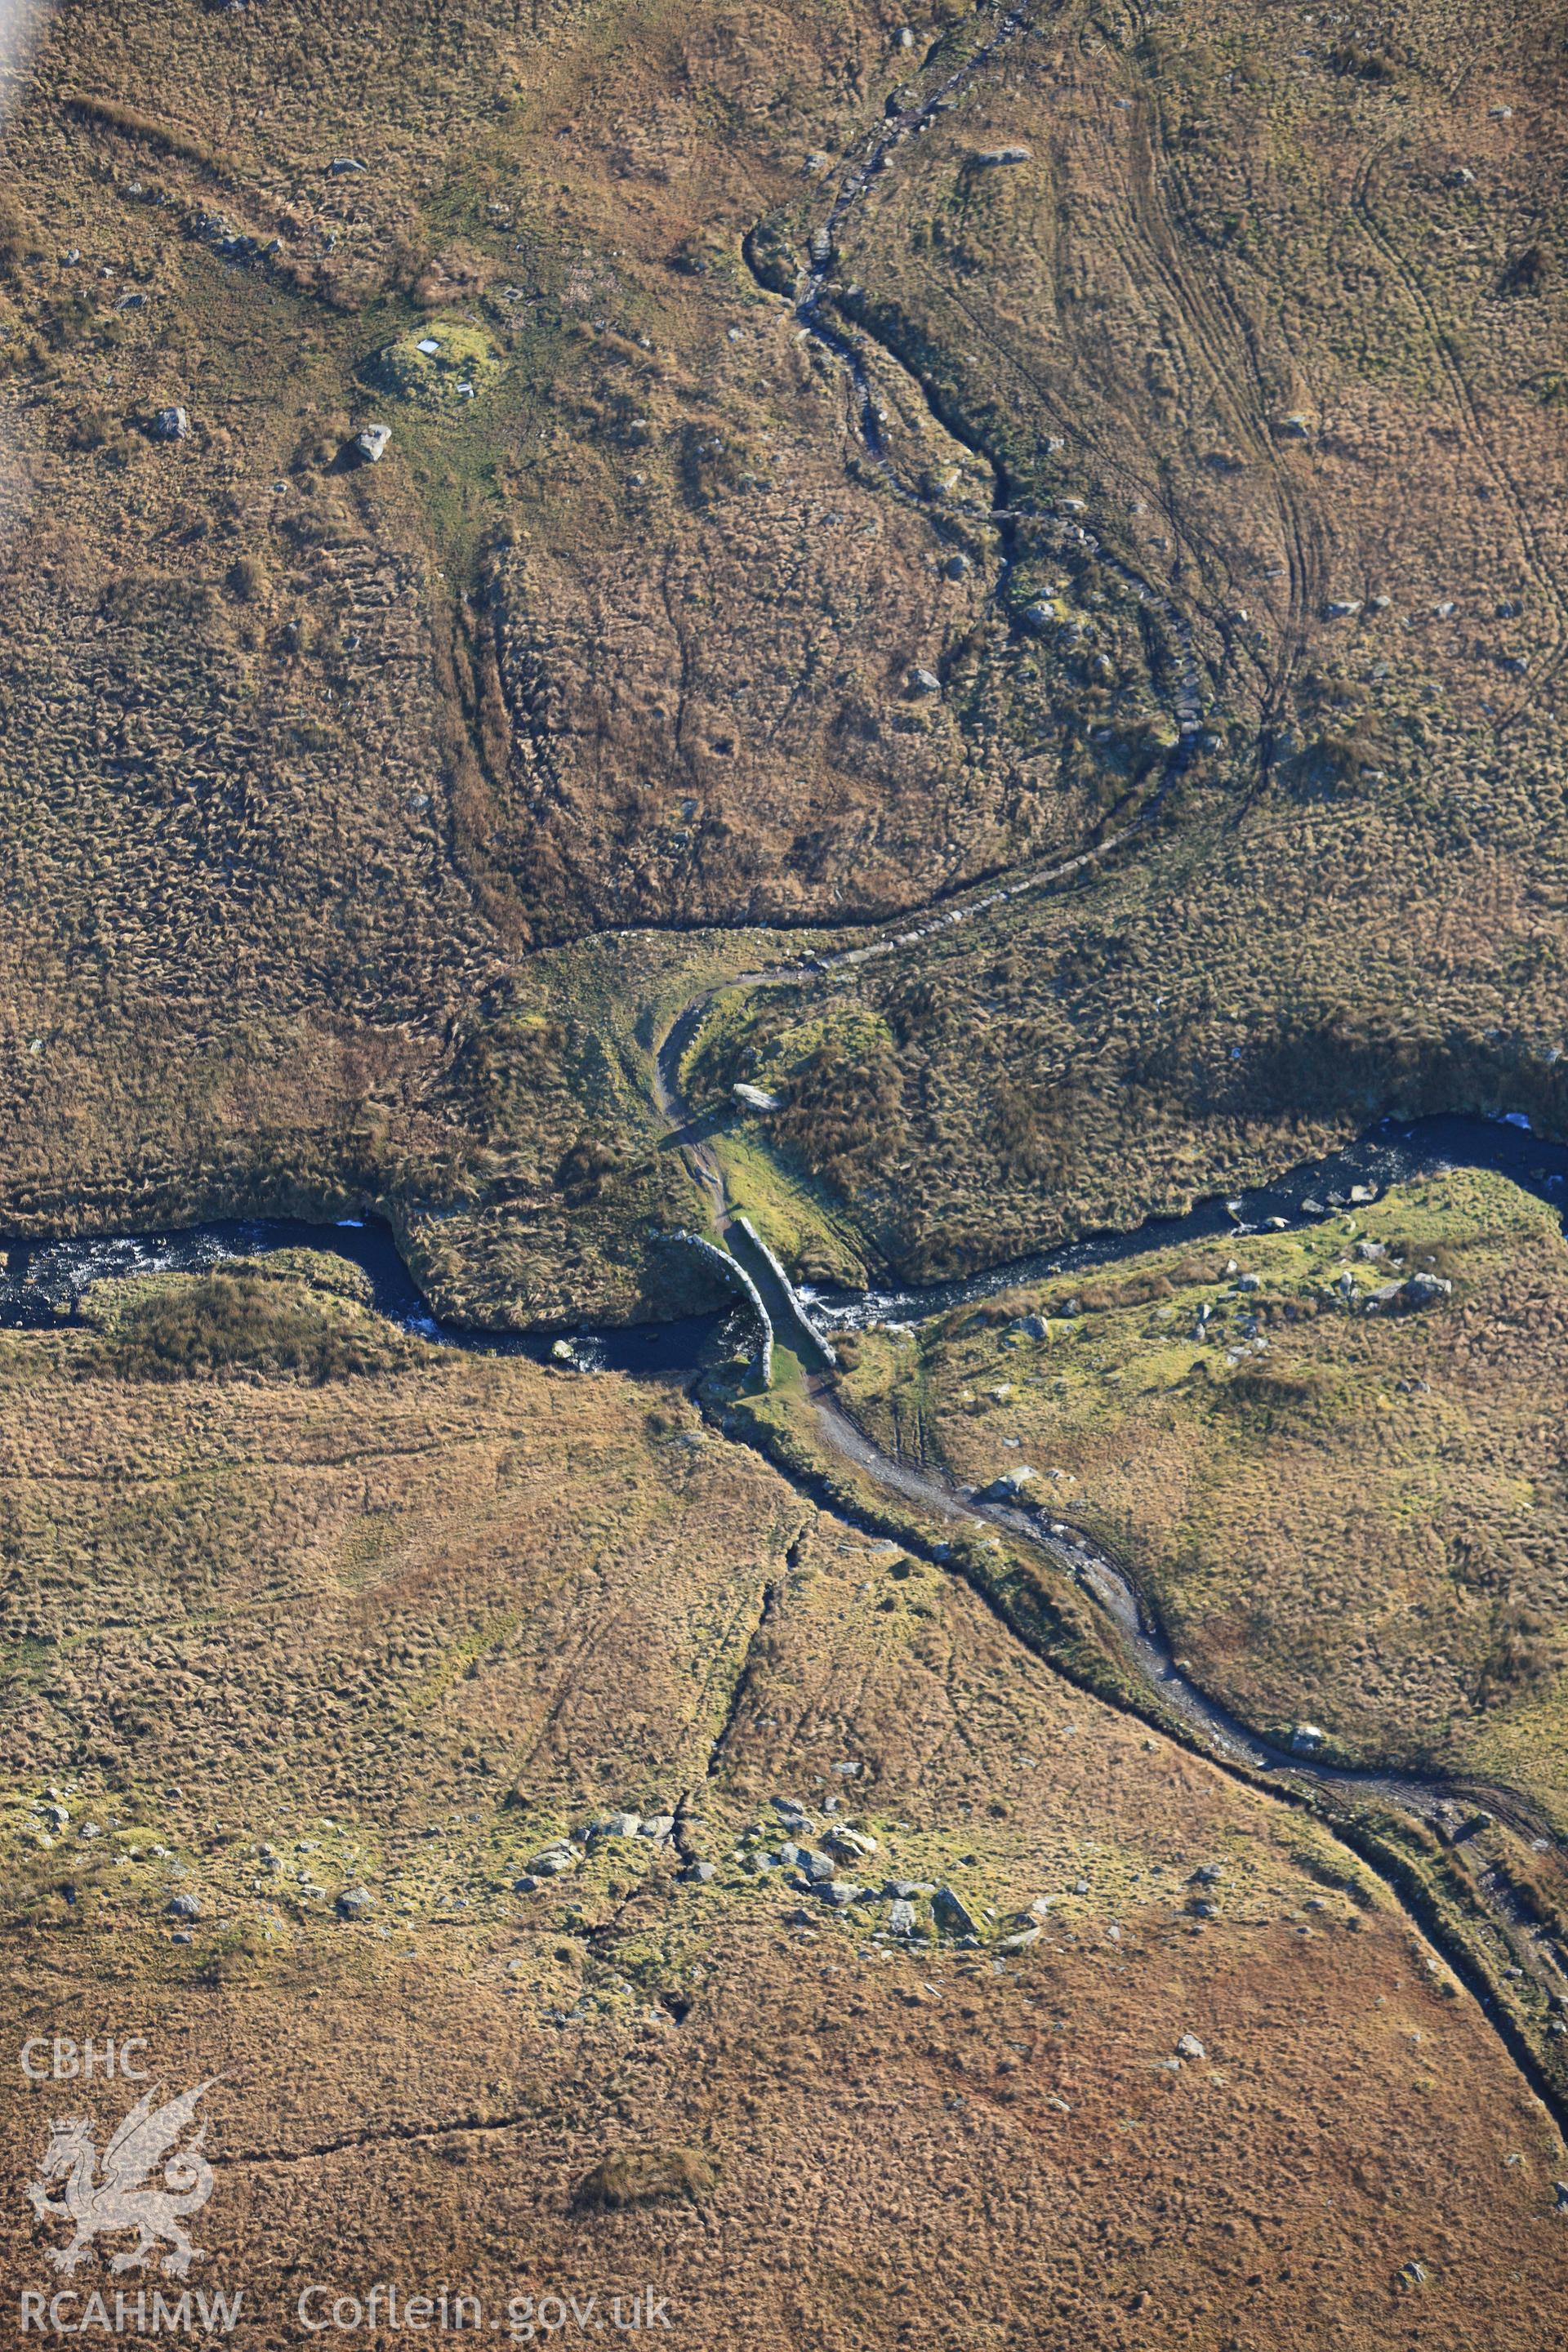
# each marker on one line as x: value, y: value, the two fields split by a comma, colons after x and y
x: 538, y: 1583
x: 1364, y: 1528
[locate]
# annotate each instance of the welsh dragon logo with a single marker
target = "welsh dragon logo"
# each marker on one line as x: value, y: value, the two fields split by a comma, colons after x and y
x: 104, y: 2195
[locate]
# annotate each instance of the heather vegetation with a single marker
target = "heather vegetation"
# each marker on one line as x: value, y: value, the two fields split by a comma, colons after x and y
x: 941, y: 630
x: 306, y: 1686
x: 1209, y: 363
x: 1352, y: 1518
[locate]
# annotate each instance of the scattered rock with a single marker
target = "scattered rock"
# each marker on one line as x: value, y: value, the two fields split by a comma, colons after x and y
x: 1010, y: 1485
x: 1425, y: 1289
x: 846, y: 1841
x: 951, y: 1912
x: 553, y: 1861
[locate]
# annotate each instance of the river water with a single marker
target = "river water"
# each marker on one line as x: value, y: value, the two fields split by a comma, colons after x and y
x: 1393, y: 1153
x: 45, y: 1281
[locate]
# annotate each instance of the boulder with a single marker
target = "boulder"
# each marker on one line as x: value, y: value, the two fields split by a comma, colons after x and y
x: 1009, y: 1485
x: 901, y: 1918
x: 171, y: 424
x: 752, y: 1098
x: 1425, y: 1289
x: 952, y: 1913
x: 849, y: 1842
x: 370, y: 445
x: 1019, y: 1940
x: 1189, y: 2046
x: 354, y: 1902
x: 183, y: 1906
